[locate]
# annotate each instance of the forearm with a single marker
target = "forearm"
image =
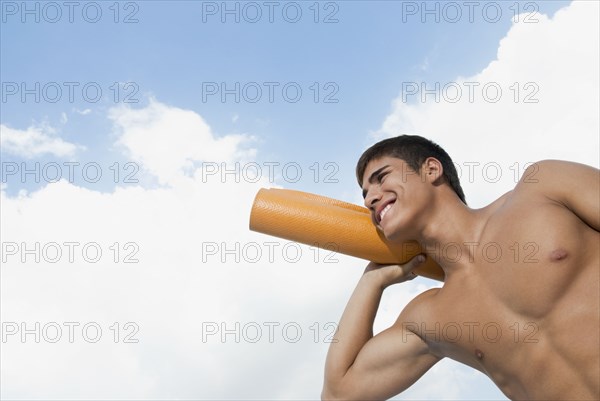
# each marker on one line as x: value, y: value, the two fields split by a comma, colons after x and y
x: 355, y: 327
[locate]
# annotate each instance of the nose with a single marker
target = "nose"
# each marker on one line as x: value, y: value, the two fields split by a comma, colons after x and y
x: 373, y: 196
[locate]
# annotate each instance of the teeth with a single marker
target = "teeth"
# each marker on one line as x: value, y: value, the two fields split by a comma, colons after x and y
x: 384, y: 211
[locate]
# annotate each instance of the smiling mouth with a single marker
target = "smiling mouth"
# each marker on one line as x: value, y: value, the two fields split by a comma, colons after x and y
x: 384, y: 211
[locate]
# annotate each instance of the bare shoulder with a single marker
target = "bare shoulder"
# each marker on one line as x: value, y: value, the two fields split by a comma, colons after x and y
x: 573, y: 185
x: 420, y: 308
x: 551, y: 175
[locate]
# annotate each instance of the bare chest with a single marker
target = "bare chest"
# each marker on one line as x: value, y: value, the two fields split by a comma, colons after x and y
x: 533, y: 258
x: 530, y: 287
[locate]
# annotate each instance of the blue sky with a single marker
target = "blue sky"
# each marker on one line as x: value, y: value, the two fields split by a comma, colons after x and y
x: 161, y: 121
x: 170, y: 53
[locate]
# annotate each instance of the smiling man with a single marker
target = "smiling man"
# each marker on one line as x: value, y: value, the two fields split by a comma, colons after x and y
x: 526, y: 314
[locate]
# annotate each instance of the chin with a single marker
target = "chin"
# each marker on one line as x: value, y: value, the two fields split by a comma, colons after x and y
x: 396, y: 238
x: 394, y: 234
x: 398, y: 232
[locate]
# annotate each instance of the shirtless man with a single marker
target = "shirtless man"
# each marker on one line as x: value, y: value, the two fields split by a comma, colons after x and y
x: 520, y: 301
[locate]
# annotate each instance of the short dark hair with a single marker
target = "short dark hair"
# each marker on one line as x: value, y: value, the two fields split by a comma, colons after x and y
x: 413, y: 149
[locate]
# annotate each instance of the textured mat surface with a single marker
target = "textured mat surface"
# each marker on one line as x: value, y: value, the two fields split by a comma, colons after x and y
x: 330, y: 224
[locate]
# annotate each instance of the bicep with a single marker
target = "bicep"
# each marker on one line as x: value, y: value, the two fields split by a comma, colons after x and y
x: 388, y: 364
x: 575, y: 185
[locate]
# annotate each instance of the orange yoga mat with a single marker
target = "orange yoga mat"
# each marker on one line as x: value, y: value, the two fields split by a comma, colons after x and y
x: 331, y: 224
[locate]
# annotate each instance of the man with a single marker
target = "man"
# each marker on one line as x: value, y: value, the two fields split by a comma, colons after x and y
x: 520, y: 301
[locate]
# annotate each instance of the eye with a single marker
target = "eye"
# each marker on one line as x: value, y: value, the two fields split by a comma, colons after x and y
x: 381, y: 176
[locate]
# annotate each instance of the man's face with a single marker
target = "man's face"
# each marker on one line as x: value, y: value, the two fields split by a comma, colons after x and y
x: 396, y: 196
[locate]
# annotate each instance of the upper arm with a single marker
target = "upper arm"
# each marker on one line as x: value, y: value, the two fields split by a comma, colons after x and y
x: 575, y: 185
x: 389, y: 363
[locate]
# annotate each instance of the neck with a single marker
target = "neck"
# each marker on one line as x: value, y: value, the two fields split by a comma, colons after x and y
x: 452, y: 233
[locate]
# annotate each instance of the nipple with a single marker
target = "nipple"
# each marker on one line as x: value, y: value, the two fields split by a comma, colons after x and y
x: 479, y: 354
x: 558, y: 254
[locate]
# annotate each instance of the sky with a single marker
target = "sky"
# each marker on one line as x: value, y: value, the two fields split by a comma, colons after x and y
x: 135, y: 135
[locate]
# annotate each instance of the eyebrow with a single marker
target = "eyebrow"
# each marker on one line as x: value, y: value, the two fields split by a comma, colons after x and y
x: 372, y: 178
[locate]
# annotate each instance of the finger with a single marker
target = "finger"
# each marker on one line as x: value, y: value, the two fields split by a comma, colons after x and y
x: 413, y: 264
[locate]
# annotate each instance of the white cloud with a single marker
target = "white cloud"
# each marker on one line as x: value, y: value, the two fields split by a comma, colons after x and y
x: 35, y: 141
x: 167, y: 141
x: 554, y: 62
x: 83, y: 112
x: 173, y: 293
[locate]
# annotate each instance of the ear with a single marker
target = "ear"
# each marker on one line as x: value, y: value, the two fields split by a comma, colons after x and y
x: 432, y: 171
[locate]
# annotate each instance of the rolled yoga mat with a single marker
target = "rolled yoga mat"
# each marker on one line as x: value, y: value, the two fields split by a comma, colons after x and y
x: 331, y: 224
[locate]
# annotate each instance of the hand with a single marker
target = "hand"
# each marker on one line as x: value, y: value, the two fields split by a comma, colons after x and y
x: 394, y: 274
